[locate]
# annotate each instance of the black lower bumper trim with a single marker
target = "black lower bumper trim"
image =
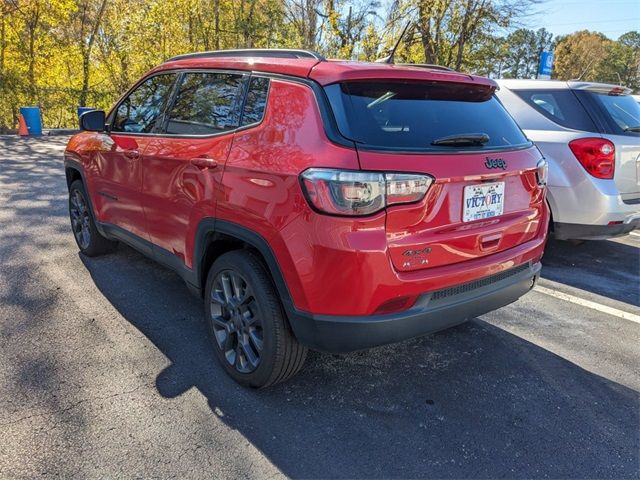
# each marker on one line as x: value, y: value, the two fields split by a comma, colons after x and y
x: 432, y: 312
x: 578, y: 231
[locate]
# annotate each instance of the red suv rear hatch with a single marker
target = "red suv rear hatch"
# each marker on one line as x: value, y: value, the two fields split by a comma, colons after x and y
x: 486, y: 196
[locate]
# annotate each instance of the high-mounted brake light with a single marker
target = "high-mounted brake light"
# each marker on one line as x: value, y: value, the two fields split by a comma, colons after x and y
x: 596, y: 155
x: 346, y: 192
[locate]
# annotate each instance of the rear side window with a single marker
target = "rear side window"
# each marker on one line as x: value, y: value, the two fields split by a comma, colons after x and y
x: 256, y: 101
x: 621, y: 112
x: 559, y: 106
x: 206, y: 103
x: 140, y: 111
x: 401, y: 115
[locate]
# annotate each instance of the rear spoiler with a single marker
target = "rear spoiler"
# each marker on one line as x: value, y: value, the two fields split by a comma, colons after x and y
x: 600, y: 88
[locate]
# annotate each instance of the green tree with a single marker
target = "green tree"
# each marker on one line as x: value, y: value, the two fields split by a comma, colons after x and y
x: 522, y: 52
x: 347, y: 24
x: 581, y: 56
x: 370, y: 43
x: 622, y: 64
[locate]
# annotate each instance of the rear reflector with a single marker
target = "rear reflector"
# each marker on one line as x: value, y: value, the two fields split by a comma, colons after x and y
x: 596, y: 155
x: 396, y: 305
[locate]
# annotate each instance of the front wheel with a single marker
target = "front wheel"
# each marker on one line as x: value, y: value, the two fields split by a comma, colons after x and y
x: 248, y: 328
x: 89, y: 240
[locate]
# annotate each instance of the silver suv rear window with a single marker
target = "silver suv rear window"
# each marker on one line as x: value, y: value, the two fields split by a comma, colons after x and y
x: 622, y: 112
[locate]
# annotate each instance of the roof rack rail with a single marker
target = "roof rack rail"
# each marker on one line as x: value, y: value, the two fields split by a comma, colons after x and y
x: 252, y: 52
x: 427, y: 65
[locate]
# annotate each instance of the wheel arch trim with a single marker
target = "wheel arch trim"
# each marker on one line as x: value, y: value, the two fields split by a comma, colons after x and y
x: 210, y: 226
x: 70, y: 163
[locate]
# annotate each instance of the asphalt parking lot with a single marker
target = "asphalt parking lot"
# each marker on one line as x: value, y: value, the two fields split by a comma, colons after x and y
x: 105, y: 370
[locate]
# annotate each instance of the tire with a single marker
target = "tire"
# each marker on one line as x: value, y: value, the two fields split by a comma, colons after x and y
x: 247, y: 325
x: 89, y: 240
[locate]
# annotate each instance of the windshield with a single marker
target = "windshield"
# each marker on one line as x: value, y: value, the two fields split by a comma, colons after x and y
x: 430, y: 116
x: 622, y: 109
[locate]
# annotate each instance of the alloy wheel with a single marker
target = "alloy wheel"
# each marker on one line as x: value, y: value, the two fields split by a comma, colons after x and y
x: 80, y: 219
x: 236, y: 321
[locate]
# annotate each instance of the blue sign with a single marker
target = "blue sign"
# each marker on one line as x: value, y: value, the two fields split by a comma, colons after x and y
x: 546, y: 65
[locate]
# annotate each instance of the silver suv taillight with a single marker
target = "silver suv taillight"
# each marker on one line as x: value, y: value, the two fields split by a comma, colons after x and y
x: 349, y: 192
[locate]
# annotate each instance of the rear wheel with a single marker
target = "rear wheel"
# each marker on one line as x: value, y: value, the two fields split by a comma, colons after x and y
x: 249, y: 332
x: 89, y: 240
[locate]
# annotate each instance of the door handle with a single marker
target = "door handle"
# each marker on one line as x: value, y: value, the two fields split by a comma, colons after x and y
x: 132, y: 154
x: 204, y: 163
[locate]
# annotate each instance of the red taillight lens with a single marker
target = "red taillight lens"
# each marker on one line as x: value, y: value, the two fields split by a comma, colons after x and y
x: 346, y: 192
x: 596, y: 155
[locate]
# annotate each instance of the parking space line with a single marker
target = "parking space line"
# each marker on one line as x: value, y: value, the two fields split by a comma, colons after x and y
x: 635, y: 234
x: 589, y: 304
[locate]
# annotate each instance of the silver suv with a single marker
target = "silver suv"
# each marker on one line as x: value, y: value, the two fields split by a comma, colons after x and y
x: 590, y: 134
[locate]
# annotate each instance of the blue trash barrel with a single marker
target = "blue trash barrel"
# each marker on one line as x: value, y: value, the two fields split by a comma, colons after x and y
x: 81, y: 110
x: 33, y: 119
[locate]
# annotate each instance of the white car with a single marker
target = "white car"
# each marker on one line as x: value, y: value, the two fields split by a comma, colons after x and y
x: 590, y: 135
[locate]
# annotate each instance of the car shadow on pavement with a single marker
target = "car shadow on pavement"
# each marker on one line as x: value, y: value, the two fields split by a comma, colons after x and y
x: 605, y: 267
x: 473, y: 401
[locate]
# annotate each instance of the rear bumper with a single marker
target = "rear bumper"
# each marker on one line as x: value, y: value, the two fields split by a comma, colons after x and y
x: 432, y: 312
x: 577, y: 231
x: 591, y: 202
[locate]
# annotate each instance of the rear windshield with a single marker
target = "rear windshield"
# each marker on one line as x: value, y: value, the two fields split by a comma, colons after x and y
x: 396, y: 115
x: 621, y: 112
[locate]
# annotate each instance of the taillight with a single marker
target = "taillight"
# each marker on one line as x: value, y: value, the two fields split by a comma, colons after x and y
x: 596, y: 155
x: 406, y: 188
x: 347, y: 192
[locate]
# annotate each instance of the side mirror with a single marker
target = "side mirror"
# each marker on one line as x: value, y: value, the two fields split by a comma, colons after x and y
x: 93, y: 121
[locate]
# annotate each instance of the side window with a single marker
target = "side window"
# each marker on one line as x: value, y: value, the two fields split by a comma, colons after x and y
x: 546, y: 101
x: 559, y: 106
x: 256, y: 101
x: 141, y: 110
x: 206, y: 103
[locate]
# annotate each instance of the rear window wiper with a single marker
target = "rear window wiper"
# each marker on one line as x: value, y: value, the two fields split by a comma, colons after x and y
x: 462, y: 140
x: 632, y: 129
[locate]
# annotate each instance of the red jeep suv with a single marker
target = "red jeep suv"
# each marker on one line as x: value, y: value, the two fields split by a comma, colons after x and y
x: 313, y: 203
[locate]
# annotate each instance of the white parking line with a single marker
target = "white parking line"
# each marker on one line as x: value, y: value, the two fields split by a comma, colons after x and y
x: 635, y: 234
x: 589, y: 304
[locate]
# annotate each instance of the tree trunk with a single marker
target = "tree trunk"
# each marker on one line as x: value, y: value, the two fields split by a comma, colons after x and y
x: 311, y: 25
x: 32, y: 65
x: 216, y: 19
x: 2, y: 43
x: 464, y: 33
x: 86, y: 56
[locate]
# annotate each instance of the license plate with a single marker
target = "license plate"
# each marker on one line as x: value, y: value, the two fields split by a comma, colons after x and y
x: 483, y: 201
